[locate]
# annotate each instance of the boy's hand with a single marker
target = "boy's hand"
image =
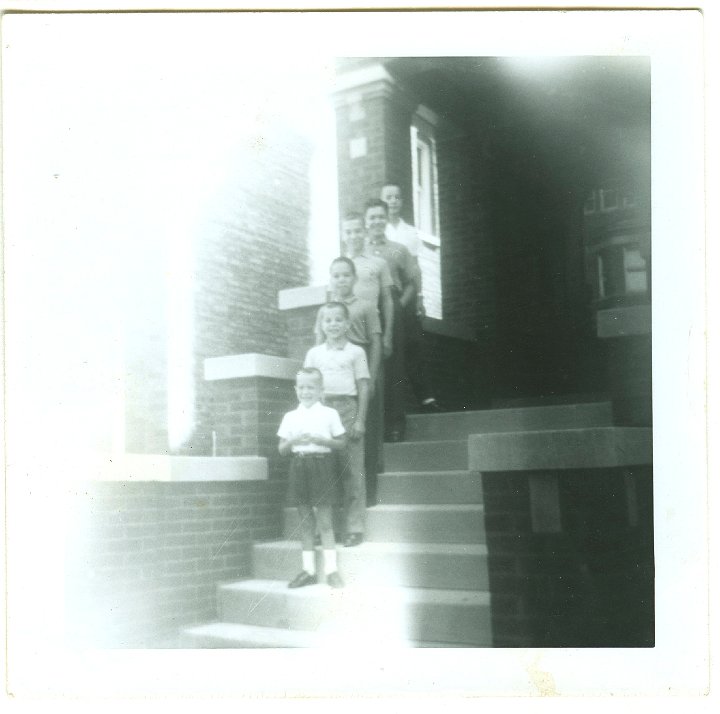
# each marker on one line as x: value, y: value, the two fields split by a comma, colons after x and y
x: 357, y: 430
x: 387, y: 346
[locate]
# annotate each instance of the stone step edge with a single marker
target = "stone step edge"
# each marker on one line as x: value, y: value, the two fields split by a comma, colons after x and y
x: 509, y: 410
x: 234, y: 632
x: 390, y: 547
x: 409, y: 595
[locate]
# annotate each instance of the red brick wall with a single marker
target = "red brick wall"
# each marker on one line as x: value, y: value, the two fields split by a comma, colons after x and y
x: 249, y: 244
x: 468, y: 270
x: 144, y: 559
x: 590, y: 585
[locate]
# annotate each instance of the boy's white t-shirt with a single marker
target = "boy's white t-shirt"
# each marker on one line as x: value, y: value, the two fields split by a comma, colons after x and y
x: 317, y: 419
x: 341, y: 367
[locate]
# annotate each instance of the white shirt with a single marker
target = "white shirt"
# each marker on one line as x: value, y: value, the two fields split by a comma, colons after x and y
x: 404, y: 234
x: 341, y: 367
x: 317, y: 419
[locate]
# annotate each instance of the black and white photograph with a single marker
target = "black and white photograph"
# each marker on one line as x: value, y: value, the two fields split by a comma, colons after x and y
x: 355, y: 342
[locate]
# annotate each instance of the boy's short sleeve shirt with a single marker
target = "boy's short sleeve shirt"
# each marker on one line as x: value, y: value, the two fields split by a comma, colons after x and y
x: 373, y: 276
x: 341, y: 367
x: 400, y: 262
x: 317, y: 419
x: 364, y: 321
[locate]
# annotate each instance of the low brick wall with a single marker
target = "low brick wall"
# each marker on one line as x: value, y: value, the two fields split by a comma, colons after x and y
x: 591, y: 584
x: 143, y: 559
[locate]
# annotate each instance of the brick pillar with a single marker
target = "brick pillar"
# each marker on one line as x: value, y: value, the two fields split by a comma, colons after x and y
x: 373, y: 116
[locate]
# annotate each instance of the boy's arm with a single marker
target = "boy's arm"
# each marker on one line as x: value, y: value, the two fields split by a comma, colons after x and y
x: 388, y: 313
x: 335, y: 442
x: 358, y: 428
x: 285, y: 446
x: 374, y: 355
x: 409, y: 275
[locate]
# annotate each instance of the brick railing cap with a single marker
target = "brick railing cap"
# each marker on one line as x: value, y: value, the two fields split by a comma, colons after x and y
x: 250, y: 365
x: 306, y: 296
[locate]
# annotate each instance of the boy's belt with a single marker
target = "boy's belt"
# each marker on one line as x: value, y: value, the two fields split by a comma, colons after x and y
x: 309, y: 455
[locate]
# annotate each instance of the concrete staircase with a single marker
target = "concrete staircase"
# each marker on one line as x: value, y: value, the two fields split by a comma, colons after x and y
x: 421, y: 577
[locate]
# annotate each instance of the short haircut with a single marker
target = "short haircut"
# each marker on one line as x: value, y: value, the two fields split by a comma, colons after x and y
x: 376, y: 203
x: 347, y: 261
x: 391, y: 182
x: 352, y: 216
x: 339, y: 305
x: 312, y: 371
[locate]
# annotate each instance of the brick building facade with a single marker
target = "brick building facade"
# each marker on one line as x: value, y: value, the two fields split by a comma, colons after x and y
x: 541, y: 304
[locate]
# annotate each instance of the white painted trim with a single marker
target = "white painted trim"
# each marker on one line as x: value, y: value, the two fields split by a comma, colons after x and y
x: 362, y: 76
x: 306, y: 296
x: 250, y: 365
x: 161, y: 467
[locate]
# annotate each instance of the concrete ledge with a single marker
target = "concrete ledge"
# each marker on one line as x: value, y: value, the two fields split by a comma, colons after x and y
x: 596, y: 447
x: 624, y: 321
x: 442, y: 327
x: 250, y: 365
x: 306, y: 296
x: 151, y: 467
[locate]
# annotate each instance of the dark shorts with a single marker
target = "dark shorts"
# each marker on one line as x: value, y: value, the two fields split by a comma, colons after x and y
x: 313, y: 481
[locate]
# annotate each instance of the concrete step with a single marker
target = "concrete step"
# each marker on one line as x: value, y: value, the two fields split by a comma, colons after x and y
x: 456, y: 425
x: 593, y: 447
x: 420, y: 523
x: 426, y: 456
x: 430, y: 487
x: 361, y: 612
x: 427, y: 565
x: 412, y: 523
x: 230, y: 635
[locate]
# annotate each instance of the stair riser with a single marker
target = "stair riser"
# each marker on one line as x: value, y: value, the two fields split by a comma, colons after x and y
x: 425, y: 527
x: 428, y: 488
x: 419, y: 456
x: 459, y: 425
x: 461, y: 624
x: 410, y: 526
x: 424, y: 570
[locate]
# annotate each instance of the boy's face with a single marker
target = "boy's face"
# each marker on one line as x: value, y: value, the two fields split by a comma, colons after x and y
x: 334, y: 323
x: 342, y: 279
x: 393, y: 197
x: 353, y: 235
x: 308, y: 389
x: 376, y: 221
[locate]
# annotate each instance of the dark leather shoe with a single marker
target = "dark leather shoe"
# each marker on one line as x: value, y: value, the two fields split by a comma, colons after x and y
x: 334, y: 580
x: 353, y: 539
x: 302, y: 579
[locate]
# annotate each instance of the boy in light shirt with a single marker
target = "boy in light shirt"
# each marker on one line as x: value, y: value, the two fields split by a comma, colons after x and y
x: 346, y: 378
x: 311, y: 433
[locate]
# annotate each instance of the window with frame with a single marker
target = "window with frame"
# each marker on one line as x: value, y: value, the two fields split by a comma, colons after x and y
x: 426, y: 214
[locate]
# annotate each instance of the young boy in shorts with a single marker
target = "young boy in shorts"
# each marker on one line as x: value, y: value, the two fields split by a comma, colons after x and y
x: 346, y: 378
x: 311, y: 433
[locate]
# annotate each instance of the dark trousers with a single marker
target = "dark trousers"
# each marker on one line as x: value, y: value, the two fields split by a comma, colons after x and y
x: 394, y: 397
x: 415, y: 364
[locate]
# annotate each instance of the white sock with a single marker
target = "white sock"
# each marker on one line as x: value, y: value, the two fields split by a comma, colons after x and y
x: 429, y: 400
x: 330, y: 558
x: 308, y: 560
